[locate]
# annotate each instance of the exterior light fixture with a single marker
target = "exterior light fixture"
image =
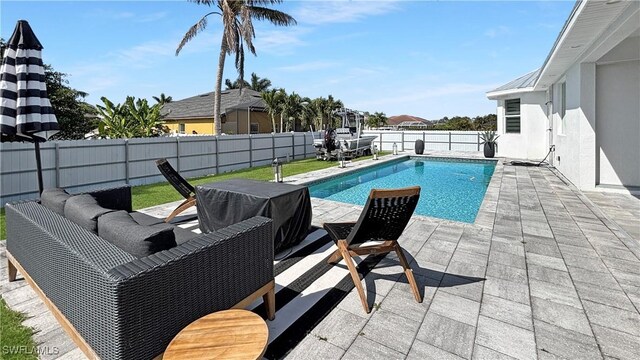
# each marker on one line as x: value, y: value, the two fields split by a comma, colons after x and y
x: 277, y: 170
x: 395, y: 149
x: 341, y: 160
x: 374, y: 151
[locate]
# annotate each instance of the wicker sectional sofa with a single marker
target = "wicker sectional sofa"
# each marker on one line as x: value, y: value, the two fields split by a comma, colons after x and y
x: 117, y: 306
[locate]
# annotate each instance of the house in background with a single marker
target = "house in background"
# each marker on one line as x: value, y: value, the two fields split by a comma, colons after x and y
x: 241, y: 110
x: 584, y: 102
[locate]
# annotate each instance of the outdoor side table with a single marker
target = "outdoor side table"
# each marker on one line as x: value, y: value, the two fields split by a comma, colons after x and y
x: 227, y: 334
x: 224, y: 203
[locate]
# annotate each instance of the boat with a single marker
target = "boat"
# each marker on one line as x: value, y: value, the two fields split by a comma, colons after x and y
x: 346, y: 141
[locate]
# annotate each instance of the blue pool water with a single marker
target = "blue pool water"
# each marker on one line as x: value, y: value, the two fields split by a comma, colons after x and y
x: 451, y: 189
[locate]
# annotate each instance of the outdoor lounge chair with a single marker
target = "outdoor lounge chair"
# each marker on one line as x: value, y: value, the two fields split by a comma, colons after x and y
x: 384, y: 218
x: 180, y: 184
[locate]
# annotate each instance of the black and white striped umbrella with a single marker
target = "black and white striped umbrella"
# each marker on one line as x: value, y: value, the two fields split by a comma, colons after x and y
x: 25, y: 110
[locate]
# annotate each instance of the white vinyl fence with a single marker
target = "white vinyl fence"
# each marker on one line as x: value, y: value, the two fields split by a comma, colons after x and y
x: 83, y: 165
x: 433, y: 140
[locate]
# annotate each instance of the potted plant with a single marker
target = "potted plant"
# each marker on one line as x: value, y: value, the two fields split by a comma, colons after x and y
x: 489, y: 138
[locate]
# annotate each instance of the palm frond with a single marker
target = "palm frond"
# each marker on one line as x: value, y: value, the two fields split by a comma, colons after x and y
x: 192, y: 32
x: 275, y: 17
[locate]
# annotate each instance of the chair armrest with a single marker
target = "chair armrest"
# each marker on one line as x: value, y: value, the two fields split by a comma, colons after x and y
x: 162, y: 293
x: 117, y: 198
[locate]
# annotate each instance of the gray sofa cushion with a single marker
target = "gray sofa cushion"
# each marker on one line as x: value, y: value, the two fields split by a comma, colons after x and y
x: 120, y: 229
x: 54, y: 199
x: 84, y: 211
x: 182, y: 235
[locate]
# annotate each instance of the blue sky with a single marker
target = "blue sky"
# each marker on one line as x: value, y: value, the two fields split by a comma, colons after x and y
x: 423, y: 58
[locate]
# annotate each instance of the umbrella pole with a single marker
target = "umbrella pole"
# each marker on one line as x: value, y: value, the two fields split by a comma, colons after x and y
x: 39, y: 167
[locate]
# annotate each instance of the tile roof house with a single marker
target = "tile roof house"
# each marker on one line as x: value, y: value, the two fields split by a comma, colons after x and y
x: 241, y: 110
x: 581, y: 108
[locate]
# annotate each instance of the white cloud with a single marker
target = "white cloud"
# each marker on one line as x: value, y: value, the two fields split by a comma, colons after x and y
x: 151, y: 17
x: 497, y: 31
x: 345, y: 11
x: 308, y: 66
x: 282, y: 41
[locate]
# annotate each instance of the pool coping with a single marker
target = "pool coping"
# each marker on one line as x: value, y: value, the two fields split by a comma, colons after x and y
x: 486, y: 212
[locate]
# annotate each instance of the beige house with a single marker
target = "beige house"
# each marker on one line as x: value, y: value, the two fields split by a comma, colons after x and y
x: 243, y: 111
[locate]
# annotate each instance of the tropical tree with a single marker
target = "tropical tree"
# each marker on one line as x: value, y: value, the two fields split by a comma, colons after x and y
x: 377, y: 120
x: 236, y: 84
x: 115, y: 123
x: 333, y: 104
x: 259, y: 84
x: 294, y: 108
x: 237, y: 32
x: 134, y: 118
x: 272, y: 99
x: 146, y: 118
x: 75, y: 116
x: 163, y: 99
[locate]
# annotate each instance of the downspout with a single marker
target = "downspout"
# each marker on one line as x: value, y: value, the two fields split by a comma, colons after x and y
x: 552, y: 146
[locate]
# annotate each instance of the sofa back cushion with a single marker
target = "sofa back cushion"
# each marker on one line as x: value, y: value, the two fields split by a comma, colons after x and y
x: 54, y: 199
x: 84, y: 210
x: 120, y: 229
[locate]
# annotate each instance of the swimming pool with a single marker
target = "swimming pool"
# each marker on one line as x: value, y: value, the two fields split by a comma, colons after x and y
x: 452, y: 189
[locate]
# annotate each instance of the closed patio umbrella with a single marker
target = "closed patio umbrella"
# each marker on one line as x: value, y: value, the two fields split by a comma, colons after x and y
x: 25, y: 110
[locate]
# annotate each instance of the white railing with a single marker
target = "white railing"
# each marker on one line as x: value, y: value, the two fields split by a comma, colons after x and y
x: 433, y: 140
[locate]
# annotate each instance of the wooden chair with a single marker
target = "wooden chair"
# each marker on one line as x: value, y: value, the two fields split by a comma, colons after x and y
x: 384, y: 218
x: 180, y: 184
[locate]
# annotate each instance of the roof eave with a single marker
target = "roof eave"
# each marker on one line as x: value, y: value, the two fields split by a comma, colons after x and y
x: 495, y: 95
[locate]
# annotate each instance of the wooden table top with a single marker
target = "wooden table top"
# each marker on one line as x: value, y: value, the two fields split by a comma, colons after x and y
x: 227, y: 334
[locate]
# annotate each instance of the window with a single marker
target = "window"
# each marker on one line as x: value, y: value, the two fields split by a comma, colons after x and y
x: 181, y: 128
x: 255, y: 128
x: 562, y: 110
x: 512, y: 115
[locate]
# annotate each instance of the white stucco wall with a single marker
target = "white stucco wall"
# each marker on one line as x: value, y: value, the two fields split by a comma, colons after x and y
x: 575, y: 137
x: 531, y: 142
x: 618, y: 123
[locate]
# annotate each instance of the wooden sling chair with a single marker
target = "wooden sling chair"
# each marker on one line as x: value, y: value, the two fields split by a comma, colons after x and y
x: 384, y: 218
x: 180, y: 184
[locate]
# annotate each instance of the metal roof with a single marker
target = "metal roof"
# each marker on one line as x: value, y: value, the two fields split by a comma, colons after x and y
x: 523, y: 82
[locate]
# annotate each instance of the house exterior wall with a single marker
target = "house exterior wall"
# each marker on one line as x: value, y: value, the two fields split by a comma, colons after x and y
x: 618, y: 126
x: 574, y: 134
x: 201, y: 126
x: 531, y: 142
x: 235, y: 123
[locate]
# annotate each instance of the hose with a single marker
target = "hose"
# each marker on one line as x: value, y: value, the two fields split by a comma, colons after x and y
x: 531, y: 163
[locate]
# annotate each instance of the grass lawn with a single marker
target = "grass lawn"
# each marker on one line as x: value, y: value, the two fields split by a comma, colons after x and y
x: 16, y: 341
x: 14, y: 334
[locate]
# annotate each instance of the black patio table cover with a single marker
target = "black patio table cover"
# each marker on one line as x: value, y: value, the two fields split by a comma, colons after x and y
x: 224, y: 203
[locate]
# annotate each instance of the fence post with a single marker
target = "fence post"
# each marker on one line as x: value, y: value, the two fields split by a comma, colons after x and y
x: 57, y: 164
x: 273, y: 145
x: 402, y: 137
x: 178, y: 153
x: 478, y: 134
x: 380, y: 142
x: 250, y: 151
x: 217, y: 156
x: 424, y: 137
x: 449, y: 140
x: 126, y: 161
x: 293, y: 145
x: 304, y: 141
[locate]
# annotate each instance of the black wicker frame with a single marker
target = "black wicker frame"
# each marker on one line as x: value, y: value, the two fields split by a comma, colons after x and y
x: 128, y: 308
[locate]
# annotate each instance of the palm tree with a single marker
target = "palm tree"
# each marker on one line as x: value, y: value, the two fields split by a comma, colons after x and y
x: 236, y: 84
x: 377, y: 120
x: 332, y: 104
x: 259, y: 84
x: 237, y: 32
x: 163, y: 99
x: 272, y: 100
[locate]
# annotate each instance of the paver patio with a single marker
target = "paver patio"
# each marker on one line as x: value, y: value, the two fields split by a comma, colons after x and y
x: 543, y: 273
